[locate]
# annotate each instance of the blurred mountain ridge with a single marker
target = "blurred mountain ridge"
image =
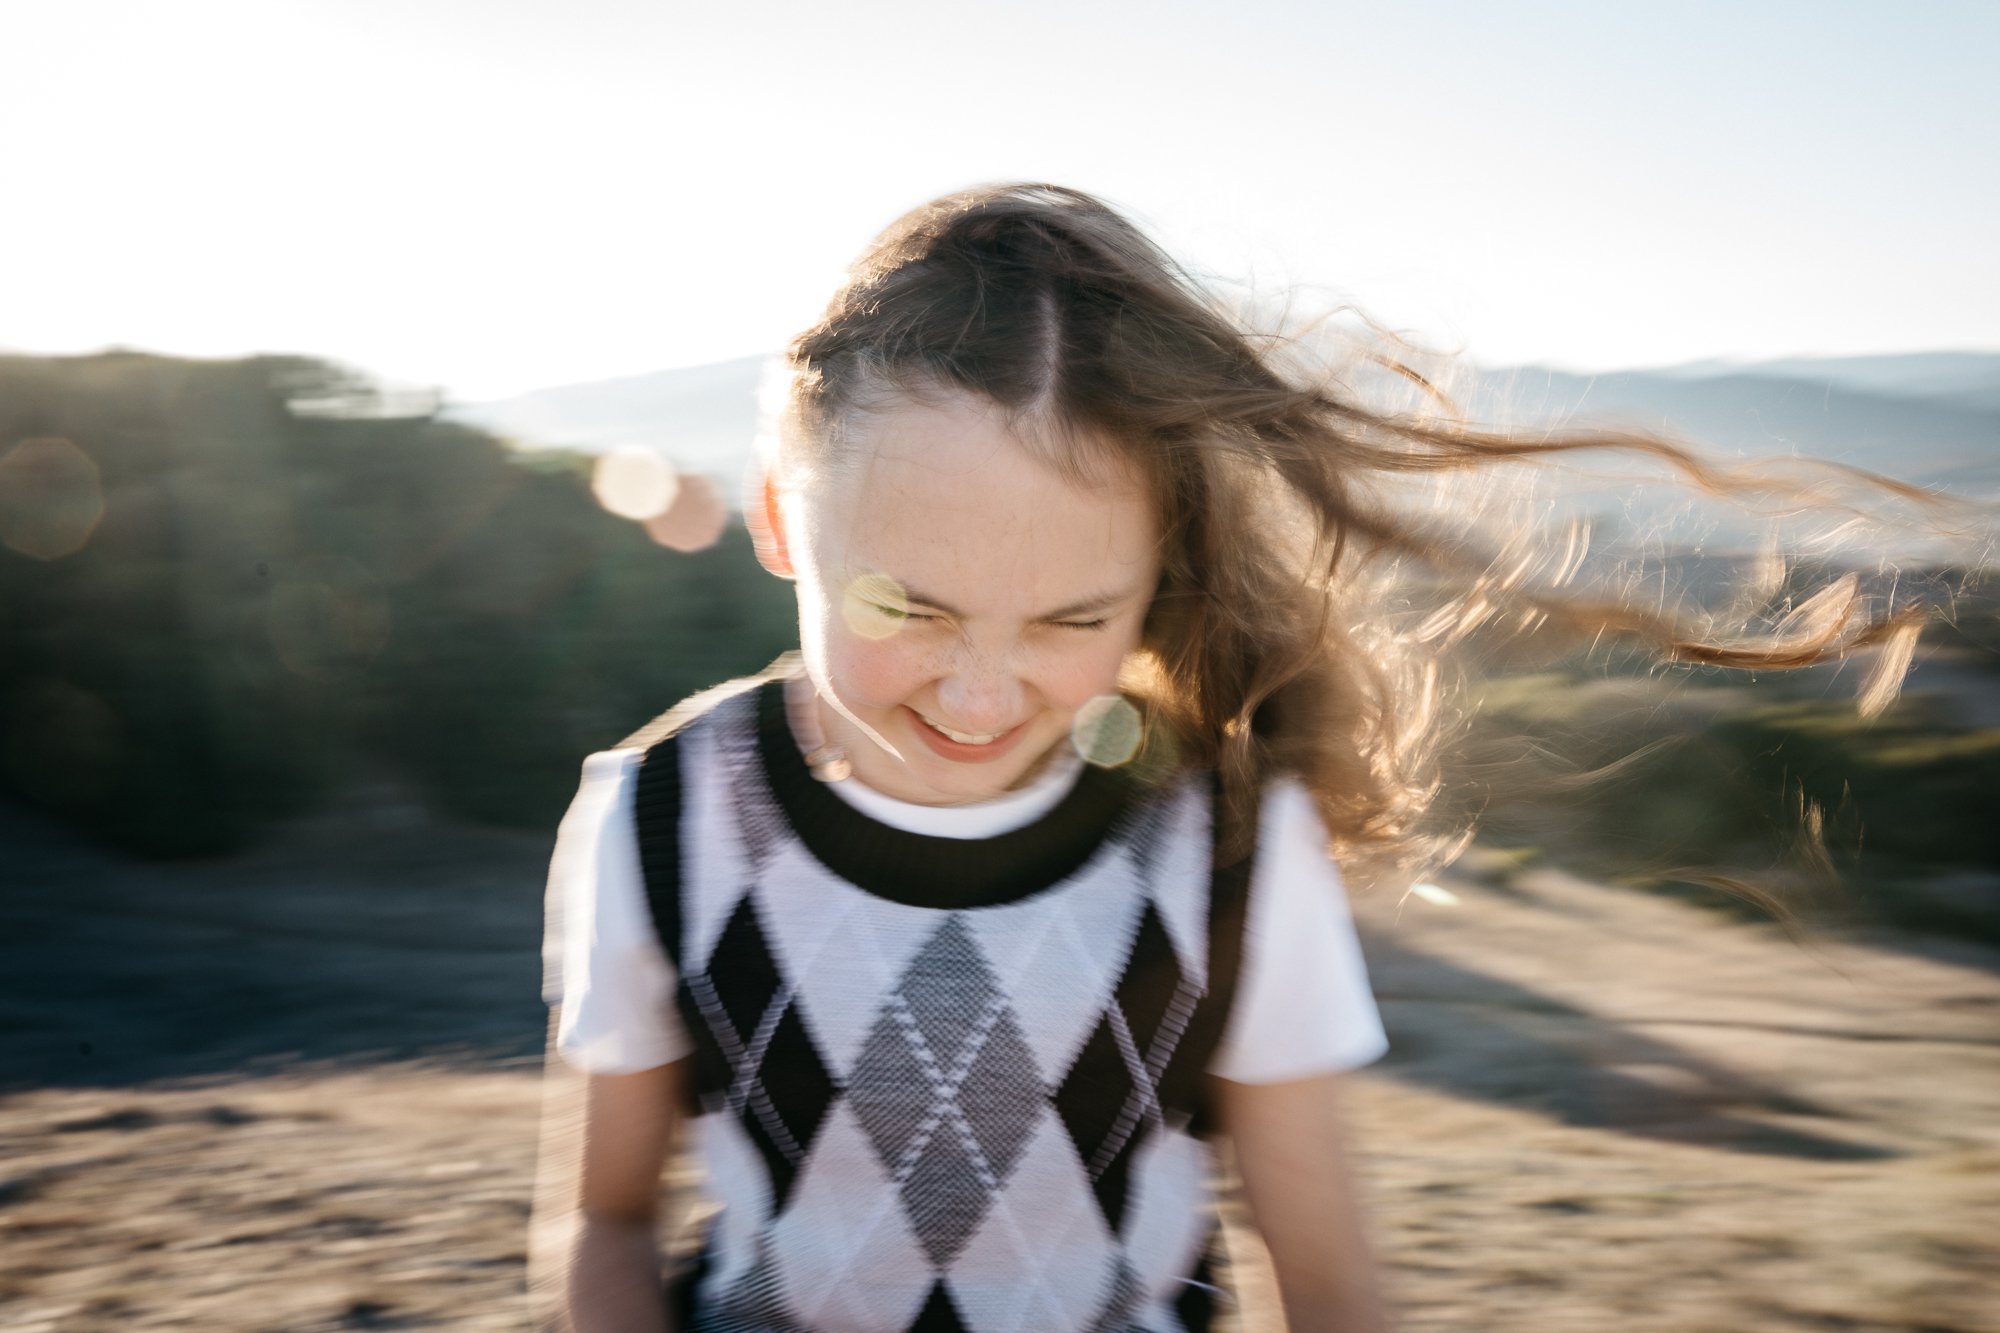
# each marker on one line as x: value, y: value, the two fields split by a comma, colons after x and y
x: 701, y: 418
x: 1947, y: 439
x: 1932, y: 418
x: 1970, y: 377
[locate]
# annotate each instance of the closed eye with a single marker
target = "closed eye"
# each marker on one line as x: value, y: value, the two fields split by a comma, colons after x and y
x: 900, y: 613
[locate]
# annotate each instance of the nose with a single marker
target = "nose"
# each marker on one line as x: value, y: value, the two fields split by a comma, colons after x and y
x: 981, y: 694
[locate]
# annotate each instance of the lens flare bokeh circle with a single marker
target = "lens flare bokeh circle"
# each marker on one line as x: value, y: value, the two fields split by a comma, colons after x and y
x: 874, y: 606
x: 1107, y: 731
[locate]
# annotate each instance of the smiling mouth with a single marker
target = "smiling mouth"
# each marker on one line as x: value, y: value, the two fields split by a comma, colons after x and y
x: 963, y: 737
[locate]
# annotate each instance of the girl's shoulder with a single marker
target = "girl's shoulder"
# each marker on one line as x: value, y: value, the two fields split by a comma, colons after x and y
x: 700, y: 705
x: 1280, y: 816
x: 1288, y: 815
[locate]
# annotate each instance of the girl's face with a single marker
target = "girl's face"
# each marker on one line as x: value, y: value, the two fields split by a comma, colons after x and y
x: 960, y: 600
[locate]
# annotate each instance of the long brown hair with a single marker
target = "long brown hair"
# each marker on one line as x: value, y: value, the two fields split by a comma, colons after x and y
x: 1283, y: 638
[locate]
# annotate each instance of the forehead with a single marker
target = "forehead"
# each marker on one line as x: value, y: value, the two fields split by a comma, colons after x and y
x: 941, y: 495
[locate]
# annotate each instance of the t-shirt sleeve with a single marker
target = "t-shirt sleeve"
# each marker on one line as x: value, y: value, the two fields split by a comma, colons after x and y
x: 1302, y: 1006
x: 601, y: 959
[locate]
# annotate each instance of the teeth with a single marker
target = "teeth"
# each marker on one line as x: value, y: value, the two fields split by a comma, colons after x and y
x: 966, y: 737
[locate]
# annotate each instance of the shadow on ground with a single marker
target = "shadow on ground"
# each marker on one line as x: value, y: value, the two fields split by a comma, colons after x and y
x: 344, y: 944
x: 361, y: 941
x: 1487, y: 1039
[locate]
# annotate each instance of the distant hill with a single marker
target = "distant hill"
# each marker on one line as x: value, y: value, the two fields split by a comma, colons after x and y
x: 701, y: 418
x: 1945, y: 440
x: 1969, y: 378
x: 1932, y: 418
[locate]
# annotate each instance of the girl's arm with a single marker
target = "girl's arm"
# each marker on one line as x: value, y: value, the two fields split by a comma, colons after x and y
x: 1291, y: 1152
x: 606, y: 1139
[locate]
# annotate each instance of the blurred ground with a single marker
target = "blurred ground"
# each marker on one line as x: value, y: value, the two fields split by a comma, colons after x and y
x: 1604, y: 1109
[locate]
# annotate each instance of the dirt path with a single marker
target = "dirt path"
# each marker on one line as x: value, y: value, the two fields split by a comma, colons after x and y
x: 1603, y: 1110
x: 1607, y: 1110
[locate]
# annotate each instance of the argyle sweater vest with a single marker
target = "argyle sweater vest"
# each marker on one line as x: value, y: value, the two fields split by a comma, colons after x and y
x: 940, y: 1083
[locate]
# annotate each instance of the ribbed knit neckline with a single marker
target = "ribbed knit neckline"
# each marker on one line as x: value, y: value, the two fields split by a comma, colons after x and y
x: 922, y: 870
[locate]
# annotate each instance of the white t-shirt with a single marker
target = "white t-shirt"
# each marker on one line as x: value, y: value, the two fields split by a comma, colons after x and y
x: 1302, y: 1005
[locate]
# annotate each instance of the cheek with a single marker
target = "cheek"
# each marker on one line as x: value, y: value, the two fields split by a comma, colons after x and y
x: 863, y: 672
x: 1075, y: 677
x: 872, y: 673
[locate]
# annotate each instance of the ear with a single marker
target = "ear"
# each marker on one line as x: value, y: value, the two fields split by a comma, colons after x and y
x: 765, y: 517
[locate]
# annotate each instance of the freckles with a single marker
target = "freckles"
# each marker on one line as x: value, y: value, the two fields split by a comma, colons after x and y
x: 881, y: 674
x: 1082, y: 678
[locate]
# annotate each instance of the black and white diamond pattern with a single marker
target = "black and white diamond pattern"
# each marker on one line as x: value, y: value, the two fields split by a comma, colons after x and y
x: 1124, y: 1297
x: 947, y: 1089
x: 760, y: 1064
x: 927, y: 1120
x: 946, y: 1110
x: 755, y: 1303
x: 1111, y: 1099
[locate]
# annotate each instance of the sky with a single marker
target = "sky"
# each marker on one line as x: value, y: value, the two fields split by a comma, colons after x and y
x: 492, y: 196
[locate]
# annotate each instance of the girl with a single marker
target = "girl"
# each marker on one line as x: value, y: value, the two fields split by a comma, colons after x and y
x: 955, y: 939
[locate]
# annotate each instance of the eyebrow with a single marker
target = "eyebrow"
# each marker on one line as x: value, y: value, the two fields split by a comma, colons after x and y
x: 1102, y: 601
